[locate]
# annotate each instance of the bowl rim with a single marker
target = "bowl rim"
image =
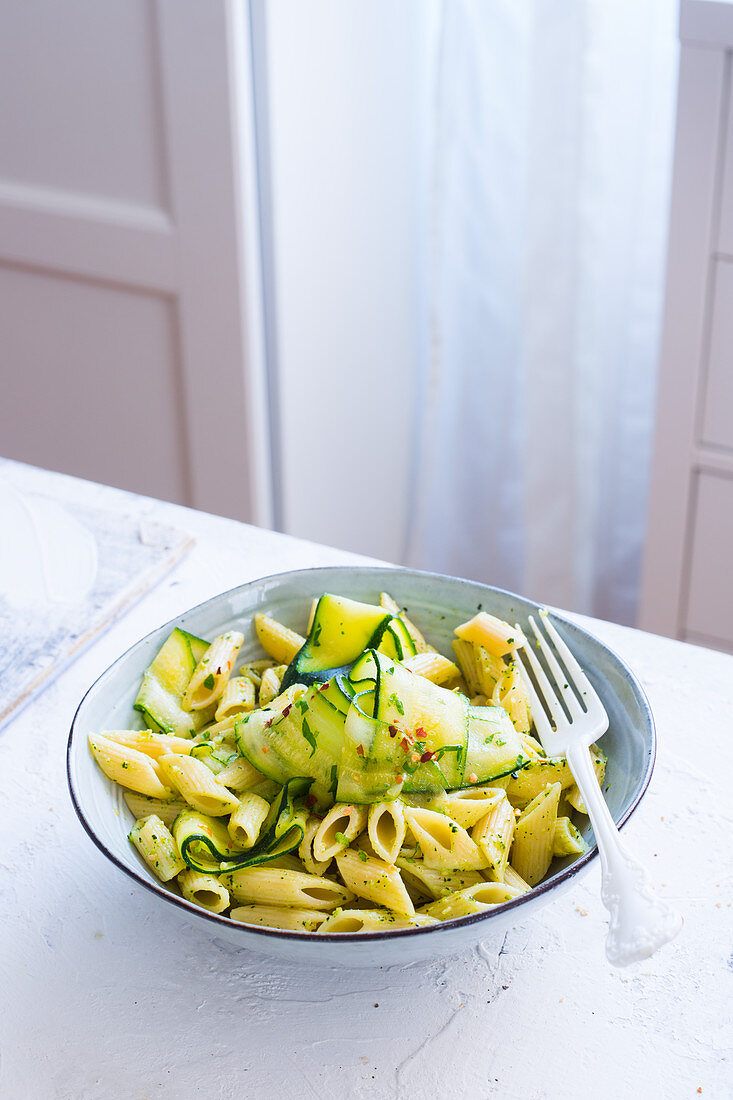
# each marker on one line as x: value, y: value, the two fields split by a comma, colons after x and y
x: 564, y: 876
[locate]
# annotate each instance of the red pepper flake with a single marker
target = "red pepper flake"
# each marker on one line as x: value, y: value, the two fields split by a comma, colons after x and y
x: 264, y: 748
x: 359, y: 750
x: 311, y: 801
x: 393, y: 731
x: 399, y: 775
x: 405, y: 744
x: 287, y: 710
x: 473, y: 778
x: 268, y: 723
x: 426, y: 756
x: 218, y: 671
x: 325, y: 685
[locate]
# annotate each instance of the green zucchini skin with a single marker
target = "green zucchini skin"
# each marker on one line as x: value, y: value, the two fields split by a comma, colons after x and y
x: 164, y: 681
x: 341, y: 631
x: 204, y: 844
x: 367, y: 736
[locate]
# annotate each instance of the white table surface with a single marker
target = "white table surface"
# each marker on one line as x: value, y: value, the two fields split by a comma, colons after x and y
x: 102, y: 997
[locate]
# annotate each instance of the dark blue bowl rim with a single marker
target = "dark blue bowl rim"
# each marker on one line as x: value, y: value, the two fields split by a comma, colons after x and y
x: 368, y: 937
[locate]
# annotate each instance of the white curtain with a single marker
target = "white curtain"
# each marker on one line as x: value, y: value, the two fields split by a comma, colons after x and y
x: 549, y: 150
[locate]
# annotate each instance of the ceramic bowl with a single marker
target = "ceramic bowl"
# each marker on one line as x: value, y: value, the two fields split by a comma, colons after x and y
x: 436, y: 604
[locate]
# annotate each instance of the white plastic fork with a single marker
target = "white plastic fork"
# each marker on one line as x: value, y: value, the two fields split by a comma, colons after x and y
x: 640, y: 921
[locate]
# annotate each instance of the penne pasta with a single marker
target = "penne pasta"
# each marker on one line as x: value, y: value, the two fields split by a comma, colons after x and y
x: 534, y: 835
x: 375, y: 880
x: 240, y: 775
x: 493, y: 835
x: 237, y: 698
x: 466, y: 657
x: 142, y: 805
x: 246, y: 820
x: 198, y: 785
x: 270, y: 684
x: 293, y: 920
x: 213, y: 670
x: 497, y: 637
x: 432, y: 883
x: 156, y: 845
x: 276, y: 886
x: 468, y: 806
x: 152, y: 744
x: 130, y: 767
x: 370, y: 920
x: 389, y: 604
x: 566, y: 840
x: 305, y: 851
x: 280, y: 642
x: 473, y: 899
x: 444, y: 844
x: 204, y: 890
x: 433, y: 666
x: 386, y: 829
x: 340, y: 826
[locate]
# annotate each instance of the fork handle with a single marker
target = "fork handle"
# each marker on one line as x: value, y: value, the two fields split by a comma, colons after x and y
x: 640, y: 921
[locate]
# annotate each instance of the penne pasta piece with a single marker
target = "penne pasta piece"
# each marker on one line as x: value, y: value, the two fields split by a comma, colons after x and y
x: 433, y: 666
x: 240, y: 775
x: 511, y: 693
x: 198, y: 785
x: 386, y: 829
x: 293, y: 920
x: 253, y: 670
x: 489, y: 669
x: 474, y: 899
x: 532, y: 748
x: 340, y: 826
x: 493, y: 834
x: 445, y: 845
x: 204, y: 890
x: 141, y: 805
x: 156, y: 845
x: 435, y: 884
x: 237, y: 698
x: 386, y: 601
x: 281, y: 643
x: 152, y: 744
x: 534, y: 835
x: 212, y: 672
x: 468, y: 806
x: 288, y: 862
x: 305, y: 851
x: 369, y: 920
x: 496, y: 636
x: 270, y: 685
x: 466, y: 657
x: 526, y: 784
x: 566, y: 840
x: 511, y: 878
x: 374, y: 880
x: 130, y: 767
x: 246, y: 820
x: 275, y: 886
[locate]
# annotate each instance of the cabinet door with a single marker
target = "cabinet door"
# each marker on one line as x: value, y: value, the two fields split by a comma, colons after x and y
x: 128, y: 250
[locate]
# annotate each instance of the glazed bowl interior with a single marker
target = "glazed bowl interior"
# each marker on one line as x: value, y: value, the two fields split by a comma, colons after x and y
x: 436, y: 604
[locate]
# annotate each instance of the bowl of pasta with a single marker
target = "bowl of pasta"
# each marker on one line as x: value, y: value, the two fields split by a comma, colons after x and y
x: 339, y: 765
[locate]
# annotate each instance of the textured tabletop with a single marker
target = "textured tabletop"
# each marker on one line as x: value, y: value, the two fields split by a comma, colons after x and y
x: 105, y: 995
